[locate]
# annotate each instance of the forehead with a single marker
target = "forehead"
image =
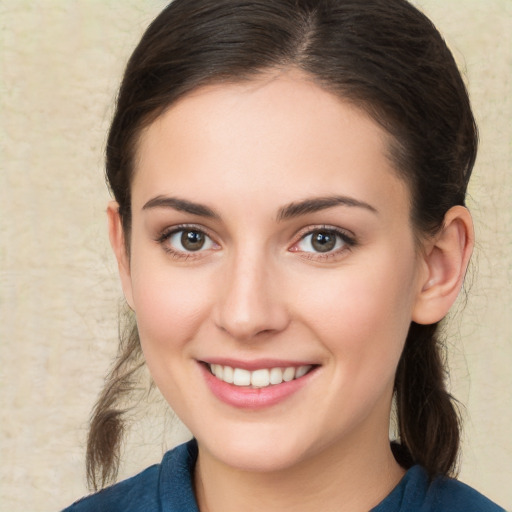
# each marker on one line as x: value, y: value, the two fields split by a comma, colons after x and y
x: 280, y: 135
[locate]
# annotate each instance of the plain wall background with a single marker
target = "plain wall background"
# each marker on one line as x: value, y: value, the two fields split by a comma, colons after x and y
x: 60, y: 64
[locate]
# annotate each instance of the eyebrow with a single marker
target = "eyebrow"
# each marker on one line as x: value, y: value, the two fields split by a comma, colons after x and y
x: 181, y: 205
x: 320, y: 203
x: 289, y: 211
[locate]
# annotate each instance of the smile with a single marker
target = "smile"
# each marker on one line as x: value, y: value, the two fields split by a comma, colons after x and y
x: 260, y: 378
x: 254, y: 385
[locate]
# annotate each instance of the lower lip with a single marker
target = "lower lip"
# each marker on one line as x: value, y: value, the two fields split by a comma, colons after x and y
x: 252, y: 398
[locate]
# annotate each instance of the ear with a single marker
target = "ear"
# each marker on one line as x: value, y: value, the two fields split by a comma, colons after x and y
x: 446, y: 258
x: 117, y: 241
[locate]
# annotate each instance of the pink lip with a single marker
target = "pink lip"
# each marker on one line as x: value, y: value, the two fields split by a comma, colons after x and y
x: 253, y: 398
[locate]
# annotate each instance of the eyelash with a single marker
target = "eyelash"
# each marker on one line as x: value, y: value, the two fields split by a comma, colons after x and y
x: 164, y: 237
x: 348, y: 241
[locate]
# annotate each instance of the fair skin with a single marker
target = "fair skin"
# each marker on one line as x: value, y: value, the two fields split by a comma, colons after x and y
x: 270, y: 230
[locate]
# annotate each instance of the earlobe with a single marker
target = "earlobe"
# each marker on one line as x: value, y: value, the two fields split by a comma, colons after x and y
x: 117, y: 241
x: 446, y: 259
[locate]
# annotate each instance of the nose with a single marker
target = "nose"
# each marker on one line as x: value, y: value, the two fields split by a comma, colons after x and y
x: 251, y: 302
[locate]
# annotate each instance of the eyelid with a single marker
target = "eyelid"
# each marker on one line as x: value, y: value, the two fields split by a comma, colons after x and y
x: 169, y: 231
x: 346, y: 234
x: 348, y: 238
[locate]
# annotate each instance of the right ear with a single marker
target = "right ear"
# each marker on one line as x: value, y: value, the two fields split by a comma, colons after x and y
x: 118, y: 243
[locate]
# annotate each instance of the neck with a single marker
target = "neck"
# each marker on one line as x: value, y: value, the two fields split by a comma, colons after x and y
x: 348, y: 476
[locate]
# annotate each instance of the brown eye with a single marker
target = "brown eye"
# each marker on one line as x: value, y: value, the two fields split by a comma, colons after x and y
x: 187, y: 241
x: 323, y: 241
x: 192, y: 240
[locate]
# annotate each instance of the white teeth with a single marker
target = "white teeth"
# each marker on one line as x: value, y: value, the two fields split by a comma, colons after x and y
x: 301, y: 371
x: 276, y: 376
x: 228, y: 374
x: 258, y: 378
x: 241, y: 377
x: 218, y: 370
x: 289, y: 374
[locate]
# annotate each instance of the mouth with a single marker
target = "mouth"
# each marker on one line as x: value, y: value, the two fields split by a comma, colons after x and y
x: 260, y: 378
x: 255, y: 385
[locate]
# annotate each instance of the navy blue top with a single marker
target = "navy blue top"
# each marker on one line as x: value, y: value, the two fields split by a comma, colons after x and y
x: 167, y: 487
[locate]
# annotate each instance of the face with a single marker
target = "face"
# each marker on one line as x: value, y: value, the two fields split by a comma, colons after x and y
x: 273, y: 270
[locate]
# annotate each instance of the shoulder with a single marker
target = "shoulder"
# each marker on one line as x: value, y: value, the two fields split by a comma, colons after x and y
x: 169, y: 482
x: 129, y: 495
x: 449, y: 494
x: 417, y: 492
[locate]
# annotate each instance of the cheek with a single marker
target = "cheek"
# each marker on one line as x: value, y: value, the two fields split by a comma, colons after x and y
x: 170, y: 305
x: 170, y: 308
x: 363, y: 312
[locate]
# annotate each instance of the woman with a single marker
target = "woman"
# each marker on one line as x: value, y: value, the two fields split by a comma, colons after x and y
x: 289, y: 180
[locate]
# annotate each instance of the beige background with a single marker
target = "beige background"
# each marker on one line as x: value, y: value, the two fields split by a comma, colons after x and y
x: 60, y: 65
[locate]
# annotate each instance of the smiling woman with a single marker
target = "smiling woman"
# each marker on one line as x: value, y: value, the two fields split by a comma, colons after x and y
x: 254, y: 294
x: 289, y: 224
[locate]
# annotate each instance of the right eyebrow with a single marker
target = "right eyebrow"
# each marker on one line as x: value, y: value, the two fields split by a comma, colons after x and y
x: 182, y: 205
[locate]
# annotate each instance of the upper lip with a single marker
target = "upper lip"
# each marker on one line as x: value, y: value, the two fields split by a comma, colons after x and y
x: 256, y: 364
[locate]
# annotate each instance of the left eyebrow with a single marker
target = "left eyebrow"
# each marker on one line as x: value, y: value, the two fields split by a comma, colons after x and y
x: 320, y: 203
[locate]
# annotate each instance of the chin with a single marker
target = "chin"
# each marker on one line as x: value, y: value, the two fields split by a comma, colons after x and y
x: 270, y: 461
x: 257, y: 452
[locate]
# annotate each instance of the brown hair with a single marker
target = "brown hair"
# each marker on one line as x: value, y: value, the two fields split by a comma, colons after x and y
x: 384, y: 56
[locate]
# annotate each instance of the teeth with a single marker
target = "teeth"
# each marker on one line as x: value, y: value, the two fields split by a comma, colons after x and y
x: 289, y: 374
x: 301, y: 371
x: 228, y: 374
x: 218, y: 370
x: 258, y: 378
x: 276, y: 376
x: 241, y: 377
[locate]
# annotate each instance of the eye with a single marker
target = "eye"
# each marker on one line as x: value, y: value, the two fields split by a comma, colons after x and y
x: 186, y: 240
x: 323, y: 241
